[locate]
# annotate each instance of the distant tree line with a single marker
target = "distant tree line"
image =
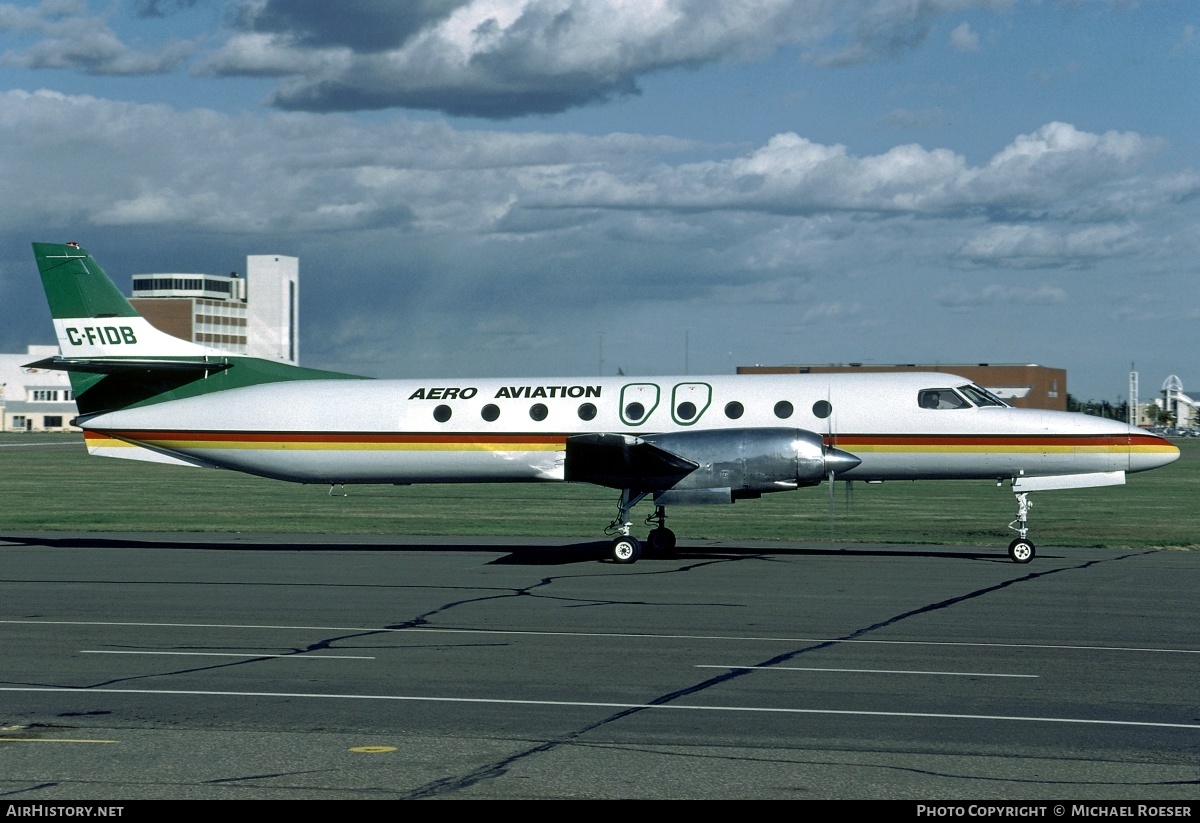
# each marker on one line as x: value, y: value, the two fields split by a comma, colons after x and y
x: 1102, y: 408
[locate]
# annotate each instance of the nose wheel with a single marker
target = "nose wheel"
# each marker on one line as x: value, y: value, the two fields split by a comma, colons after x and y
x: 1021, y: 550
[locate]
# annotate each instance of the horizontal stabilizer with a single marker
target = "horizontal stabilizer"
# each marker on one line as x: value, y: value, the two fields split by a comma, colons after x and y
x: 115, y: 365
x: 1068, y: 481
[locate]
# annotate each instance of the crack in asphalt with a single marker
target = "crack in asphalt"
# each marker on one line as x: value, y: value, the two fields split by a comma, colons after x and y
x: 1006, y: 778
x: 499, y: 768
x: 419, y: 621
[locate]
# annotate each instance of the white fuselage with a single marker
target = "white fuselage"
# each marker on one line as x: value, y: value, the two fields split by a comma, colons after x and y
x: 421, y: 431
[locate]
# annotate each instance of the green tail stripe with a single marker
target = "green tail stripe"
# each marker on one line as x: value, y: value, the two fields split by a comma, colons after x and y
x: 75, y: 284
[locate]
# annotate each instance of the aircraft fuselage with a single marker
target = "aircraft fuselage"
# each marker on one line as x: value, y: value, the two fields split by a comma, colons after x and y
x: 419, y: 431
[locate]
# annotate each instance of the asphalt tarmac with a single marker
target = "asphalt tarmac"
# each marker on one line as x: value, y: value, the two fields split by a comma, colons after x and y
x: 145, y: 666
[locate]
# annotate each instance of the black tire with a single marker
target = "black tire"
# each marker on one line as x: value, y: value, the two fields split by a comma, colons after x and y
x: 661, y: 541
x: 626, y: 550
x: 1021, y: 550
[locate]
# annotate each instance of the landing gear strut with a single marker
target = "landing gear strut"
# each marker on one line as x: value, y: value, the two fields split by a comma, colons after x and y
x: 1021, y: 550
x: 625, y: 547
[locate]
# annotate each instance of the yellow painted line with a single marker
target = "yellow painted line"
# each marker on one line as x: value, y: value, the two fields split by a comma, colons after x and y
x: 373, y: 749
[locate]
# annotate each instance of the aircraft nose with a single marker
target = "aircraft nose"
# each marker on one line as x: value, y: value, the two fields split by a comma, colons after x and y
x: 1149, y: 451
x: 838, y: 461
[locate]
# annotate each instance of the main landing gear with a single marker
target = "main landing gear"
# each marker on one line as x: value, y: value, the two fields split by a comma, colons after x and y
x: 1022, y: 549
x: 625, y: 547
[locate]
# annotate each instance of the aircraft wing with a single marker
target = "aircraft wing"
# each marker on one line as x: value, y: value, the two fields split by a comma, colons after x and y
x: 621, y: 461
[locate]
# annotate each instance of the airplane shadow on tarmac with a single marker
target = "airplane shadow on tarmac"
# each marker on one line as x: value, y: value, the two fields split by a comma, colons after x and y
x: 545, y: 552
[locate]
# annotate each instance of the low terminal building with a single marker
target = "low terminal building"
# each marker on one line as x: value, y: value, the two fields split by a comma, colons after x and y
x: 1027, y: 386
x: 34, y: 400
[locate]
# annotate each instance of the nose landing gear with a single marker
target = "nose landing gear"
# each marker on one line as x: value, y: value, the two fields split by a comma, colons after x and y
x: 1022, y: 549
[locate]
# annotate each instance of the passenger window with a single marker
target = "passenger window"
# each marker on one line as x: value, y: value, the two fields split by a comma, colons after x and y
x: 441, y: 414
x: 941, y: 399
x: 538, y: 411
x: 783, y: 410
x: 822, y: 409
x: 689, y: 401
x: 587, y: 411
x: 734, y: 410
x: 490, y: 412
x: 638, y: 402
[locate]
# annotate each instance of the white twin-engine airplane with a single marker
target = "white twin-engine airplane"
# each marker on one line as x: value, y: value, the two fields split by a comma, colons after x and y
x: 145, y: 395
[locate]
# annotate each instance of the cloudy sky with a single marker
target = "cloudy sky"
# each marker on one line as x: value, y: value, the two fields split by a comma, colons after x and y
x: 555, y: 187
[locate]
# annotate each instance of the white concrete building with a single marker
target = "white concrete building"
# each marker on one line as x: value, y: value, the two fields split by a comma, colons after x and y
x: 34, y: 400
x: 273, y: 307
x: 257, y: 315
x: 203, y: 308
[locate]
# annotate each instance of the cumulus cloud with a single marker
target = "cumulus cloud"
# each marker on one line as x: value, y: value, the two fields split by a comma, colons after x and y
x: 1189, y: 42
x: 482, y: 58
x: 68, y: 36
x: 963, y: 39
x: 1033, y: 246
x: 829, y: 311
x: 1057, y: 171
x: 889, y: 28
x: 1056, y: 197
x: 161, y: 8
x: 961, y: 299
x: 361, y: 25
x: 906, y: 119
x: 508, y: 58
x: 419, y: 237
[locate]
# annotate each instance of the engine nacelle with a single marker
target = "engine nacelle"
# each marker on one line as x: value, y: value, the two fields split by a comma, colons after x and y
x: 753, y: 461
x: 731, y: 463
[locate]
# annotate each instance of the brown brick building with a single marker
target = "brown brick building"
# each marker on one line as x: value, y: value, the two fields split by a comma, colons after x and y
x: 1026, y: 386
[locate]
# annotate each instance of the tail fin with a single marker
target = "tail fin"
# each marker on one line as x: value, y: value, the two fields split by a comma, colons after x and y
x: 117, y: 359
x: 92, y: 318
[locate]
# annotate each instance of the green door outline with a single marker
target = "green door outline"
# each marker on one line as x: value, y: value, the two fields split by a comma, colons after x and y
x: 698, y: 394
x: 645, y: 395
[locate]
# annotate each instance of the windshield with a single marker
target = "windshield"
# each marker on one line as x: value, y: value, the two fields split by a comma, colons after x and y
x: 980, y: 396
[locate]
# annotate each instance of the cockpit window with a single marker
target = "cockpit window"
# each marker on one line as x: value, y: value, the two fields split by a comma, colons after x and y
x: 980, y: 396
x: 941, y: 399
